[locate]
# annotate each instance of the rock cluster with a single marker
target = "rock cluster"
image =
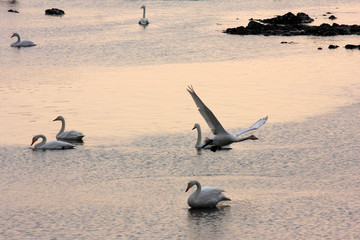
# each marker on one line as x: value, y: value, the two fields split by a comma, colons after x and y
x: 54, y: 11
x: 292, y: 25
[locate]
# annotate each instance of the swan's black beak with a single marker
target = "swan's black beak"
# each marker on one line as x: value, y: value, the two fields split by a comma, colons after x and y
x: 187, y: 188
x: 207, y: 143
x: 32, y: 142
x: 55, y: 119
x: 193, y: 128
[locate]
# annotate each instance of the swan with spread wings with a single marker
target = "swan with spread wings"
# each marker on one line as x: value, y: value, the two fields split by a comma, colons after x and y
x: 222, y: 137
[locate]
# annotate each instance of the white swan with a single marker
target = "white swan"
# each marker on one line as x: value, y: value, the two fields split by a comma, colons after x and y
x: 198, y: 144
x: 21, y: 43
x: 222, y: 137
x: 205, y: 197
x: 52, y: 145
x: 143, y: 21
x: 72, y: 135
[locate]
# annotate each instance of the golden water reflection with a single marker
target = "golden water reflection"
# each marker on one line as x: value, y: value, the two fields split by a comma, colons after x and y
x: 131, y: 101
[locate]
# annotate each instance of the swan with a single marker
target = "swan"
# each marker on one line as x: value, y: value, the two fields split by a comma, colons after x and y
x: 198, y: 144
x: 222, y: 137
x: 21, y: 43
x: 52, y: 145
x: 72, y: 135
x: 143, y: 21
x: 205, y: 197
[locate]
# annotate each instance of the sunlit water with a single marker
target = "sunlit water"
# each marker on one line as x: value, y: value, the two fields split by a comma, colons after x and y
x: 125, y: 87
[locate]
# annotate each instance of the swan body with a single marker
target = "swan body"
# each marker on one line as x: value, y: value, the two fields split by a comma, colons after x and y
x: 52, y: 145
x: 72, y: 135
x: 21, y: 43
x: 200, y: 145
x: 222, y: 137
x: 143, y: 21
x: 205, y: 197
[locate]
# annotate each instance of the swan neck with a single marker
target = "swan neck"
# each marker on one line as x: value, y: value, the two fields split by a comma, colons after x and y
x: 198, y: 187
x: 243, y: 139
x: 198, y: 142
x: 38, y: 145
x: 62, y: 126
x: 18, y: 37
x: 143, y: 12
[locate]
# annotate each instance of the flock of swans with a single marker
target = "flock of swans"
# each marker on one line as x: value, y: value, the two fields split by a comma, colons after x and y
x: 63, y: 138
x: 202, y: 197
x: 26, y: 43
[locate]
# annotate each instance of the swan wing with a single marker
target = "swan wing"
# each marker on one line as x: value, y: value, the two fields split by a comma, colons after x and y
x: 210, y: 196
x: 255, y: 126
x: 209, y: 117
x: 72, y: 134
x: 23, y: 43
x: 55, y: 145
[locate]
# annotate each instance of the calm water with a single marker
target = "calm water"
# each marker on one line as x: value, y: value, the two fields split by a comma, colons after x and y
x: 124, y: 86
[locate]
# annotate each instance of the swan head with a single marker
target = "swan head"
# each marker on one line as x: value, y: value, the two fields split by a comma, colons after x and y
x: 196, y: 126
x: 253, y: 137
x: 142, y: 7
x: 190, y: 184
x: 59, y: 118
x: 35, y: 138
x: 15, y: 35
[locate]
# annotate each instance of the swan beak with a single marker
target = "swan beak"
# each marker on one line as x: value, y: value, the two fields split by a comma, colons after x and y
x: 187, y: 188
x: 193, y: 128
x: 32, y: 142
x: 12, y: 36
x: 253, y: 137
x: 56, y: 119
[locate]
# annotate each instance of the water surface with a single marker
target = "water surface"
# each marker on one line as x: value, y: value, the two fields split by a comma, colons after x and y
x: 124, y: 86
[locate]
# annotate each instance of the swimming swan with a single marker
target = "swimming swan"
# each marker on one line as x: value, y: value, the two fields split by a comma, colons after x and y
x: 52, y: 145
x: 198, y: 144
x: 21, y: 43
x: 143, y: 21
x: 72, y: 135
x: 205, y: 197
x: 222, y: 137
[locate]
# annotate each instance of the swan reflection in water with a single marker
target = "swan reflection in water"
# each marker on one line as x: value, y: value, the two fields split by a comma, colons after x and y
x: 208, y: 223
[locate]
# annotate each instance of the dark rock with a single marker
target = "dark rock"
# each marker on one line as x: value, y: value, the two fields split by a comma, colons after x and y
x: 13, y: 11
x: 352, y: 46
x: 54, y: 11
x: 289, y: 19
x: 333, y: 46
x: 304, y: 17
x: 332, y: 17
x: 285, y: 42
x: 291, y: 25
x: 239, y: 31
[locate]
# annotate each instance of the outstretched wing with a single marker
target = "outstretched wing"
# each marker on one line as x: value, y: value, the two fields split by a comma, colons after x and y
x: 209, y: 117
x: 255, y: 126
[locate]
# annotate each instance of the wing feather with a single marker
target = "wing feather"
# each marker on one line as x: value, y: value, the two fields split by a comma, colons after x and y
x: 209, y: 117
x: 255, y: 126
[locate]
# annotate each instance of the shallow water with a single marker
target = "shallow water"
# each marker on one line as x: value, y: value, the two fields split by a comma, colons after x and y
x: 125, y: 87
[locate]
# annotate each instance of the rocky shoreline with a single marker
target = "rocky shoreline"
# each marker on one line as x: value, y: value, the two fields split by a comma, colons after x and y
x: 290, y: 24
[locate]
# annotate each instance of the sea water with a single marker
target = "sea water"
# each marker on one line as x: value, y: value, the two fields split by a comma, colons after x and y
x: 124, y: 87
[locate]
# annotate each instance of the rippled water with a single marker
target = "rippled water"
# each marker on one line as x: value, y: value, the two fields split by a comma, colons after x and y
x: 124, y: 87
